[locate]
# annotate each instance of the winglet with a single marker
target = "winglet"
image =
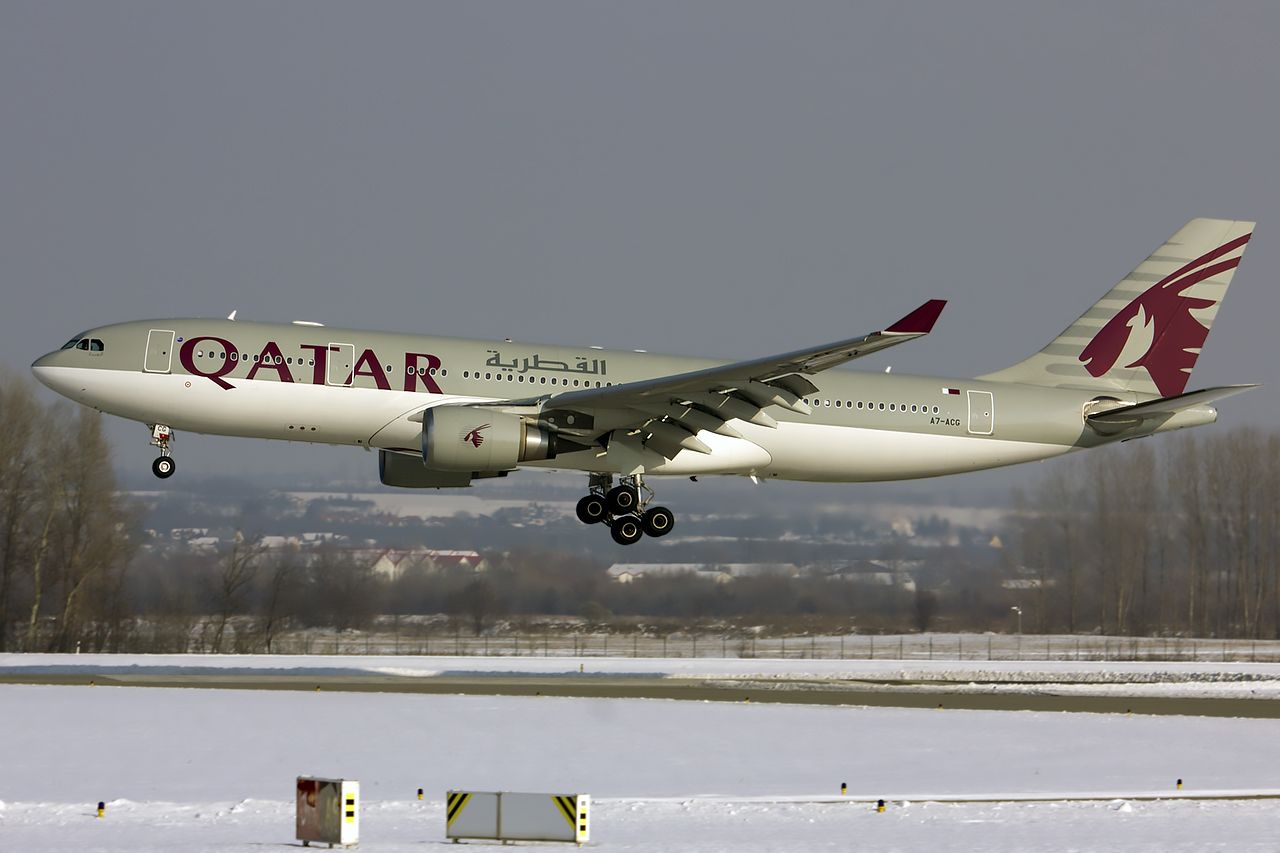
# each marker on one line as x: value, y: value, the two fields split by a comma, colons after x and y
x: 919, y: 321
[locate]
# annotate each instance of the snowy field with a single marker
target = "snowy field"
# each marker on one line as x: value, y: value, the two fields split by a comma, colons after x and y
x: 212, y: 770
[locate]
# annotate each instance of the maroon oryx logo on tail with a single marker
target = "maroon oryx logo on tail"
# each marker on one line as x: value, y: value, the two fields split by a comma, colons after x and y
x: 474, y: 436
x: 1158, y: 330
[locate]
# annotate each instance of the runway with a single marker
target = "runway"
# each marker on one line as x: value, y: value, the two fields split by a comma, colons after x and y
x: 889, y: 693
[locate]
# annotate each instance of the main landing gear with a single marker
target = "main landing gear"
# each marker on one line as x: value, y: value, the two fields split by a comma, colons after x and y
x: 623, y: 509
x: 164, y: 466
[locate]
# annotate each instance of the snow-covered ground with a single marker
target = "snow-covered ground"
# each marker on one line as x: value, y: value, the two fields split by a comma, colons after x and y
x: 205, y: 770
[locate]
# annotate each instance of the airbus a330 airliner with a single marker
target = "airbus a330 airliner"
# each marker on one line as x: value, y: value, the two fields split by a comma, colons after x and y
x: 442, y: 412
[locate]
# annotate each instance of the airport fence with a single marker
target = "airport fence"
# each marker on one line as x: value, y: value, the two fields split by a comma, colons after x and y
x: 913, y: 647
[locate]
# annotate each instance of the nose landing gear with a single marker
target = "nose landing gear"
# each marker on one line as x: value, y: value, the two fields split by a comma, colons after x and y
x: 624, y: 509
x: 163, y: 466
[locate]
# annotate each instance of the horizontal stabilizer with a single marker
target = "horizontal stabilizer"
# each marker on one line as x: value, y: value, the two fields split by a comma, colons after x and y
x: 1163, y: 408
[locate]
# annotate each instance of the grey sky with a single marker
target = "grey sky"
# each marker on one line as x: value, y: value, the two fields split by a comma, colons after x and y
x: 729, y: 179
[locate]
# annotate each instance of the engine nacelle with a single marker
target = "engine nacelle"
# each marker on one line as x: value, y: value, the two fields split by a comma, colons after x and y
x: 462, y: 438
x: 408, y: 472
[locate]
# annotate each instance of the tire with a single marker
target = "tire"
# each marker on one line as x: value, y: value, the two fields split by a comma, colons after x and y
x: 658, y: 521
x: 626, y: 529
x: 163, y: 467
x: 621, y: 500
x: 591, y: 509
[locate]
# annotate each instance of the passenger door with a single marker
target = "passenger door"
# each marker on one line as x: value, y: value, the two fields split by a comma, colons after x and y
x: 159, y: 357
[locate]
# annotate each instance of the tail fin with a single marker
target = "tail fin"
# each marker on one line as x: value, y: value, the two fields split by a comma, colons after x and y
x: 1145, y: 335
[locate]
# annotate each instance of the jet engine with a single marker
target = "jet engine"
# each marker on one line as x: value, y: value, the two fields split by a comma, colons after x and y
x: 407, y: 472
x: 463, y: 438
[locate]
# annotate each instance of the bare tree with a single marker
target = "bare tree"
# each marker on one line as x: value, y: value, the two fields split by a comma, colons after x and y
x: 477, y: 601
x: 277, y: 597
x: 926, y: 607
x: 50, y: 492
x: 19, y: 412
x: 239, y: 566
x: 94, y: 527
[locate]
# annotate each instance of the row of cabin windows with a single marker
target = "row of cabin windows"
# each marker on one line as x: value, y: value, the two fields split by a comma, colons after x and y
x: 267, y: 359
x: 541, y: 380
x: 860, y: 404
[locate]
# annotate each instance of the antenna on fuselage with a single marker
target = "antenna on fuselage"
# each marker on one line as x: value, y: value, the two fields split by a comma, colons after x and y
x: 231, y: 316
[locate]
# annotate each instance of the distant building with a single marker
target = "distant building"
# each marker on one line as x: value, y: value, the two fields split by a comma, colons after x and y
x: 392, y: 563
x: 628, y: 572
x: 1025, y: 583
x: 204, y: 544
x: 903, y: 526
x: 718, y: 572
x: 878, y: 574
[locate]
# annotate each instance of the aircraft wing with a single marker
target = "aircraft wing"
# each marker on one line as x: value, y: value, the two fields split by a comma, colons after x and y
x: 671, y: 410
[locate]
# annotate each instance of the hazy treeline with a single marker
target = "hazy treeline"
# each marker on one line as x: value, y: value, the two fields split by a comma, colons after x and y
x: 1183, y: 538
x: 65, y: 537
x: 244, y: 598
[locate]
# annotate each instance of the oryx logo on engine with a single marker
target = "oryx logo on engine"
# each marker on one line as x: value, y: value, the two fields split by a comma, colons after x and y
x: 474, y: 437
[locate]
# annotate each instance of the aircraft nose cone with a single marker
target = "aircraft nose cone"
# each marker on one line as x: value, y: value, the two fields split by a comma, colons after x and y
x: 44, y: 369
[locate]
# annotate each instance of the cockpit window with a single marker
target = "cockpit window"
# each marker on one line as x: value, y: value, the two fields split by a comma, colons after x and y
x: 85, y: 344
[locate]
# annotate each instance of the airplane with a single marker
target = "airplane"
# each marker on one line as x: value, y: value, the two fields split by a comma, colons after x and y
x: 442, y: 412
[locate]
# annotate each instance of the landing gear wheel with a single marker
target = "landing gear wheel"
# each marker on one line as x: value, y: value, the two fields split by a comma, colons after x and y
x: 622, y: 500
x: 163, y: 467
x: 591, y: 509
x: 658, y: 521
x: 626, y: 530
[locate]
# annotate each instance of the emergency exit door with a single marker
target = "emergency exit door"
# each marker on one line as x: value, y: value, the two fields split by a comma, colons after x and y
x: 982, y: 413
x: 341, y: 363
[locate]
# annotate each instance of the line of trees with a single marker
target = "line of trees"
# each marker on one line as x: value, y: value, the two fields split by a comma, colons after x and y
x: 244, y: 598
x: 1184, y: 538
x: 65, y: 536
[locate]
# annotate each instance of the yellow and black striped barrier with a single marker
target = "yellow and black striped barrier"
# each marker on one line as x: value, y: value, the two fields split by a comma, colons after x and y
x: 517, y: 816
x: 454, y: 804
